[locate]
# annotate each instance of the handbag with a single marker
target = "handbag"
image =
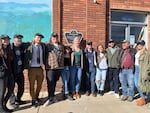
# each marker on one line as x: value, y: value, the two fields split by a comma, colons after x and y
x: 3, y: 67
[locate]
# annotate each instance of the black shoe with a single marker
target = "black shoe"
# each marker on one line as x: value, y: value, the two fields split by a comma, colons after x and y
x: 34, y: 103
x: 69, y: 97
x: 101, y: 93
x: 20, y: 102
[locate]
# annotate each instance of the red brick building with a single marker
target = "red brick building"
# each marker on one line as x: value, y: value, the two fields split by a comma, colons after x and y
x: 102, y: 20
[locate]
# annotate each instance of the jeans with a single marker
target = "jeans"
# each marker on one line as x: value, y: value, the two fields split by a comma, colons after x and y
x: 100, y: 78
x: 114, y: 79
x: 52, y: 77
x: 75, y: 78
x: 2, y: 87
x: 90, y: 80
x: 136, y: 81
x: 65, y: 78
x: 127, y: 82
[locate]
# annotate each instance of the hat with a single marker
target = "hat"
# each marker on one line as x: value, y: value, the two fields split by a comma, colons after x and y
x: 125, y: 41
x: 89, y: 42
x: 110, y: 41
x: 141, y: 42
x: 5, y: 36
x: 54, y: 34
x: 39, y: 34
x: 18, y: 36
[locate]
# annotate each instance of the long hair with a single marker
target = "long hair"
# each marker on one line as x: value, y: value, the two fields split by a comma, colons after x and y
x: 98, y: 53
x: 1, y: 49
x: 143, y: 50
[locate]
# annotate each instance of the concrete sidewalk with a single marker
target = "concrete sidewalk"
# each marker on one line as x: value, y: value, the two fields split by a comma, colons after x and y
x: 99, y: 104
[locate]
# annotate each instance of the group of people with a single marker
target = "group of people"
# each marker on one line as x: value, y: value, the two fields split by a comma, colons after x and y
x: 125, y: 67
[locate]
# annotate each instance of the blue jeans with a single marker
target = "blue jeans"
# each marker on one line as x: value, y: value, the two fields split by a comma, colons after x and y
x: 75, y: 78
x: 136, y: 81
x: 65, y: 78
x: 113, y: 74
x: 90, y: 80
x: 127, y: 82
x: 100, y: 78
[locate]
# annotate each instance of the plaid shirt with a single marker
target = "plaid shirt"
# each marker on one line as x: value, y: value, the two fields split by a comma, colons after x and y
x: 55, y: 58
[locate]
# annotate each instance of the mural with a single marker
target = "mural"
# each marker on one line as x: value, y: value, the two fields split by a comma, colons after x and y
x: 26, y: 17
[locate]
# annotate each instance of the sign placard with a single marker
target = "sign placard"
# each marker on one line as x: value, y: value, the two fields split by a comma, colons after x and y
x: 71, y: 35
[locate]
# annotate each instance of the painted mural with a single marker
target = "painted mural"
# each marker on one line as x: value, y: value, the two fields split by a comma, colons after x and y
x: 26, y: 17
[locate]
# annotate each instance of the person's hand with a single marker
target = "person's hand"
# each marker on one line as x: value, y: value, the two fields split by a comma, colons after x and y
x: 43, y: 66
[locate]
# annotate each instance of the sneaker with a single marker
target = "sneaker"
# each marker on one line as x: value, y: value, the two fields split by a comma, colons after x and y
x: 48, y: 102
x: 74, y: 96
x: 110, y: 92
x: 130, y: 99
x: 34, y: 103
x: 123, y: 98
x: 141, y: 102
x: 87, y: 93
x: 101, y: 93
x: 78, y: 95
x: 20, y: 102
x: 116, y: 95
x: 94, y: 94
x: 69, y: 97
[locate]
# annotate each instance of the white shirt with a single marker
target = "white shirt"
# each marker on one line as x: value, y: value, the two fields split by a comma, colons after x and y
x: 137, y: 56
x: 103, y: 63
x: 34, y: 56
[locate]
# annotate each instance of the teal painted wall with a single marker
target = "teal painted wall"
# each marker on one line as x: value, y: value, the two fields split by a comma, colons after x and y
x: 26, y: 17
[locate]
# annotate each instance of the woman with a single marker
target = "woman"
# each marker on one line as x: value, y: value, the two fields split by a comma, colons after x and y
x: 101, y: 70
x: 142, y: 72
x: 66, y: 72
x: 8, y: 73
x: 76, y: 68
x: 3, y: 68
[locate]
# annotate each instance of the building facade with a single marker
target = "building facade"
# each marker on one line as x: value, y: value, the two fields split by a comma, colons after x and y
x: 102, y: 20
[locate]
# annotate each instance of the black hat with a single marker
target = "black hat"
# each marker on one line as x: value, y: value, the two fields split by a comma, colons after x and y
x: 141, y: 42
x: 18, y: 36
x: 111, y: 41
x: 39, y: 34
x: 89, y: 42
x: 5, y: 36
x: 54, y: 34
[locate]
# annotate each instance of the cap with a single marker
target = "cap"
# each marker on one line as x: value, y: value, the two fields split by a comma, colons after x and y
x: 18, y: 36
x: 89, y: 42
x: 110, y: 41
x: 125, y: 41
x: 39, y: 34
x: 54, y: 34
x: 5, y: 36
x: 141, y: 42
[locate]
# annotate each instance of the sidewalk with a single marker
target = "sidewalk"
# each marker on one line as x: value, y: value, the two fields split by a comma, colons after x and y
x: 99, y: 104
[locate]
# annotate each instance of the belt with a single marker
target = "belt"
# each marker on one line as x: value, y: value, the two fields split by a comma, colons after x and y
x: 35, y: 67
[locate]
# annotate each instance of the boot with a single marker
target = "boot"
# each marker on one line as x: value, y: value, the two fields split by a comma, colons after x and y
x: 141, y: 102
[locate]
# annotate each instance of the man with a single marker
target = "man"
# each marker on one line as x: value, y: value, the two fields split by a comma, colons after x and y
x: 18, y: 54
x: 90, y: 63
x: 34, y: 62
x: 113, y: 69
x: 54, y: 65
x: 126, y: 61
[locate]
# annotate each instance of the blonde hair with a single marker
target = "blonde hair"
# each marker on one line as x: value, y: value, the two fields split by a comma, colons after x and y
x: 143, y: 50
